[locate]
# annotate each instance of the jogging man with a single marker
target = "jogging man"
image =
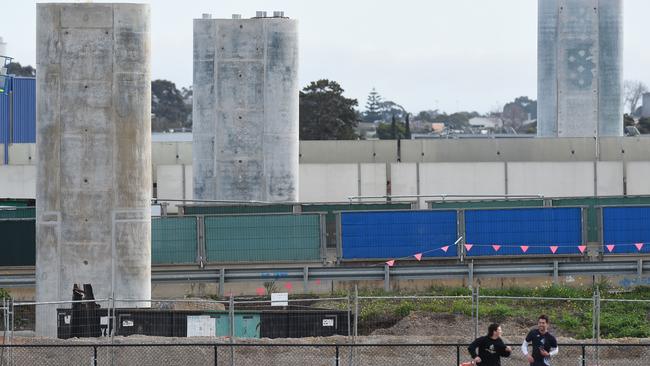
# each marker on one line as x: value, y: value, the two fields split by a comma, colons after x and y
x: 490, y: 348
x: 543, y: 343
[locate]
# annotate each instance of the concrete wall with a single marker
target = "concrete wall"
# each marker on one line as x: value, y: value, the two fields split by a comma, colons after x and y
x: 473, y: 166
x: 3, y: 47
x: 645, y: 111
x: 580, y: 68
x: 246, y: 109
x: 174, y: 182
x: 93, y: 153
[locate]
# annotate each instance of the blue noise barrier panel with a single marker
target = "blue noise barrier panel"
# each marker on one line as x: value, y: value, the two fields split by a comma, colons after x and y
x: 398, y: 234
x: 624, y: 228
x: 536, y: 229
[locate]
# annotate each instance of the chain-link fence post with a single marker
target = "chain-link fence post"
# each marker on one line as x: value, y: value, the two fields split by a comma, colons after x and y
x: 231, y: 331
x: 356, y: 313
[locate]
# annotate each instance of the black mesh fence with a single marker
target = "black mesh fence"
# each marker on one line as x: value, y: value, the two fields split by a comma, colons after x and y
x: 259, y: 354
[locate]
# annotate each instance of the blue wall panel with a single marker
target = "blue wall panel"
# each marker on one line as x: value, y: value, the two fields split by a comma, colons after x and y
x: 24, y: 102
x: 397, y: 234
x: 625, y: 226
x: 537, y: 228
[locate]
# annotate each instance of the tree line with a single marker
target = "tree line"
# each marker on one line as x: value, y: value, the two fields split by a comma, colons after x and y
x: 326, y: 114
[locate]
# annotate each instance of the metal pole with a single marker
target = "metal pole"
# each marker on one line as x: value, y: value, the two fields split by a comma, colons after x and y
x: 386, y: 278
x: 337, y: 355
x: 94, y: 355
x: 477, y: 315
x: 584, y: 355
x: 349, y: 312
x: 216, y: 356
x: 457, y: 354
x: 597, y: 325
x: 356, y: 313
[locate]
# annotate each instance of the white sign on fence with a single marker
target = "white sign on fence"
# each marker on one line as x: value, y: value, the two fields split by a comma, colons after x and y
x: 280, y: 299
x: 201, y: 326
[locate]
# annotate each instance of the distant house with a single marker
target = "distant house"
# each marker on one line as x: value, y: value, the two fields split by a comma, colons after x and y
x: 483, y: 122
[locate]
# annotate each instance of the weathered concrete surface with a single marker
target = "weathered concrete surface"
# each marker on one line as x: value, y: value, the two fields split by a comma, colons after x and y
x: 93, y: 153
x: 645, y: 111
x: 580, y: 44
x: 246, y: 109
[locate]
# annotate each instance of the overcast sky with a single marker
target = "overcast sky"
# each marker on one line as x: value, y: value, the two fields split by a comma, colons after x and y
x: 447, y: 54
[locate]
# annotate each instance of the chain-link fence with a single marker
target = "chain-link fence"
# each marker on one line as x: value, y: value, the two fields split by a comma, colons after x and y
x: 243, y: 330
x: 225, y: 354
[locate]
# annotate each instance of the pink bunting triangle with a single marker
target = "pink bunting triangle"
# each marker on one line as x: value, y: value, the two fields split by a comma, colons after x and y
x: 638, y: 246
x: 317, y: 281
x: 418, y: 256
x: 288, y: 286
x: 524, y: 248
x: 610, y: 247
x: 260, y: 291
x: 445, y: 248
x: 582, y: 248
x: 553, y: 249
x: 390, y: 263
x: 496, y: 247
x: 468, y: 247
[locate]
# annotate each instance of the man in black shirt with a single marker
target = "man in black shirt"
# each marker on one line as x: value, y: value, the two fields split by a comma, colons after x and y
x: 490, y: 348
x: 543, y: 342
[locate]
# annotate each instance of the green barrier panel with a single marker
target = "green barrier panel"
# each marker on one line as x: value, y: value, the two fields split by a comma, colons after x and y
x: 17, y: 242
x: 262, y: 238
x: 18, y: 213
x: 237, y: 209
x: 173, y: 240
x: 486, y: 204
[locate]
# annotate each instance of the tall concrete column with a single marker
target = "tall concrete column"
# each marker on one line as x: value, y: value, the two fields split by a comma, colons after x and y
x: 580, y: 68
x: 93, y: 142
x: 3, y: 48
x: 245, y: 116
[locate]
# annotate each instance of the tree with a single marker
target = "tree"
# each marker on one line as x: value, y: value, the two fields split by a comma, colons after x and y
x: 14, y: 68
x: 456, y: 121
x: 167, y: 106
x: 373, y: 107
x: 632, y: 92
x: 325, y: 114
x: 407, y: 127
x: 386, y: 131
x: 389, y: 109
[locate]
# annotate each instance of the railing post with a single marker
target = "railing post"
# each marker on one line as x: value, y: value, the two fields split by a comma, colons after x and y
x: 584, y: 355
x: 386, y: 278
x: 216, y: 356
x: 94, y: 355
x: 457, y: 354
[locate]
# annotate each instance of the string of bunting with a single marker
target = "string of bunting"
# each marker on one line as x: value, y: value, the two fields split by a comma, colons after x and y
x: 523, y: 248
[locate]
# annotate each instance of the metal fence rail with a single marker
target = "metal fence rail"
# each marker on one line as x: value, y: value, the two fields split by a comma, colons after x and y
x: 318, y: 354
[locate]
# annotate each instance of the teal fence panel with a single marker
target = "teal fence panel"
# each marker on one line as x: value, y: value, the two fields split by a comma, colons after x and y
x: 263, y: 238
x: 174, y: 240
x: 237, y: 209
x: 17, y: 212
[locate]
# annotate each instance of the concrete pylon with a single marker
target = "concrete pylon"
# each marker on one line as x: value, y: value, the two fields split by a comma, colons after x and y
x: 579, y: 68
x: 93, y: 195
x: 245, y: 115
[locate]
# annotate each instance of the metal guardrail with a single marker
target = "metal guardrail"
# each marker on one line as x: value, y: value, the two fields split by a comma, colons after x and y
x: 468, y: 270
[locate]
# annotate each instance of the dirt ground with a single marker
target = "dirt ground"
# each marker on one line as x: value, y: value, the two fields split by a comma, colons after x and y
x: 418, y: 330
